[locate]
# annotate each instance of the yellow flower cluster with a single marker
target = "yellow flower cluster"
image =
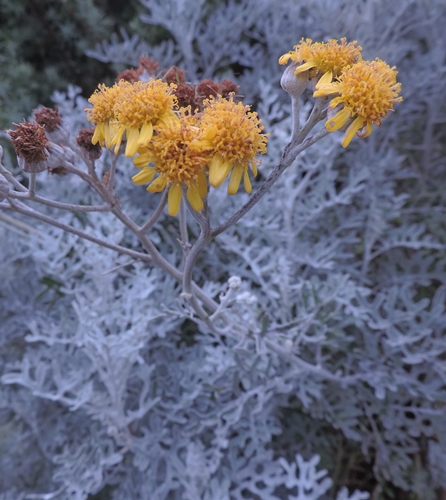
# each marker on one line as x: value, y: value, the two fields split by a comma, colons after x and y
x: 176, y: 150
x: 130, y: 108
x: 362, y: 92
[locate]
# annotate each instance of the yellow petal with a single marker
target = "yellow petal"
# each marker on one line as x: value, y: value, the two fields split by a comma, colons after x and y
x: 132, y: 142
x: 145, y: 176
x: 202, y: 184
x: 236, y: 177
x: 247, y: 182
x: 98, y: 135
x: 367, y: 131
x: 169, y: 118
x: 325, y: 79
x: 145, y: 134
x: 109, y: 132
x: 141, y: 160
x: 218, y: 170
x: 338, y: 120
x: 117, y: 138
x: 254, y: 168
x: 323, y: 89
x: 285, y: 58
x: 357, y: 124
x: 174, y: 199
x: 194, y: 198
x: 157, y: 185
x: 304, y: 67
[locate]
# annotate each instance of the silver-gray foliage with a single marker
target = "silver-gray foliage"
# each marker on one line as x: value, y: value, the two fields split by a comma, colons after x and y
x: 108, y: 382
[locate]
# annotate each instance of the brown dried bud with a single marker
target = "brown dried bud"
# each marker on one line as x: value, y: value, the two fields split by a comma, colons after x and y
x: 93, y: 151
x: 129, y: 75
x: 48, y: 118
x: 4, y: 188
x: 207, y: 88
x: 226, y: 87
x: 31, y: 145
x: 148, y: 65
x: 174, y: 75
x: 186, y: 96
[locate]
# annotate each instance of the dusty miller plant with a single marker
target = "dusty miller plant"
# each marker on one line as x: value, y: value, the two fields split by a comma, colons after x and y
x: 222, y: 353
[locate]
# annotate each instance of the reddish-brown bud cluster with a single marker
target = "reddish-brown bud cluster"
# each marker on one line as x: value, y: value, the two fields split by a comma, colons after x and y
x: 129, y: 75
x: 186, y: 96
x: 206, y: 89
x: 48, y: 118
x: 133, y: 75
x: 227, y: 87
x: 193, y: 96
x: 30, y: 142
x: 173, y: 75
x: 148, y: 65
x: 93, y: 151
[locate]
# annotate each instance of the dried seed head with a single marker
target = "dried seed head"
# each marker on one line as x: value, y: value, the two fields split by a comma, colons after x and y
x: 92, y: 151
x: 31, y: 145
x: 4, y: 188
x: 48, y: 118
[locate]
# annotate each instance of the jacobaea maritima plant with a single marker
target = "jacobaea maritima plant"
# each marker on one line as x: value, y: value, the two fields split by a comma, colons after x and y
x: 187, y: 337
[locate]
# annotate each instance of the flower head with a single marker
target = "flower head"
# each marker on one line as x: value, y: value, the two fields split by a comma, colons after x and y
x: 233, y: 137
x: 178, y: 159
x: 101, y: 114
x: 366, y: 93
x: 137, y: 108
x: 322, y: 58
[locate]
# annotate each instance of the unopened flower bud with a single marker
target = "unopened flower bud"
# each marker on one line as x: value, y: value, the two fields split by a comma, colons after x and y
x: 4, y: 188
x: 294, y: 84
x: 31, y: 145
x: 234, y: 282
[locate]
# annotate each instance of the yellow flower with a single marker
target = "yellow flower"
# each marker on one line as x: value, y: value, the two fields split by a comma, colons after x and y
x: 178, y: 159
x: 137, y: 109
x: 102, y: 114
x: 366, y: 91
x: 233, y: 137
x: 323, y: 59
